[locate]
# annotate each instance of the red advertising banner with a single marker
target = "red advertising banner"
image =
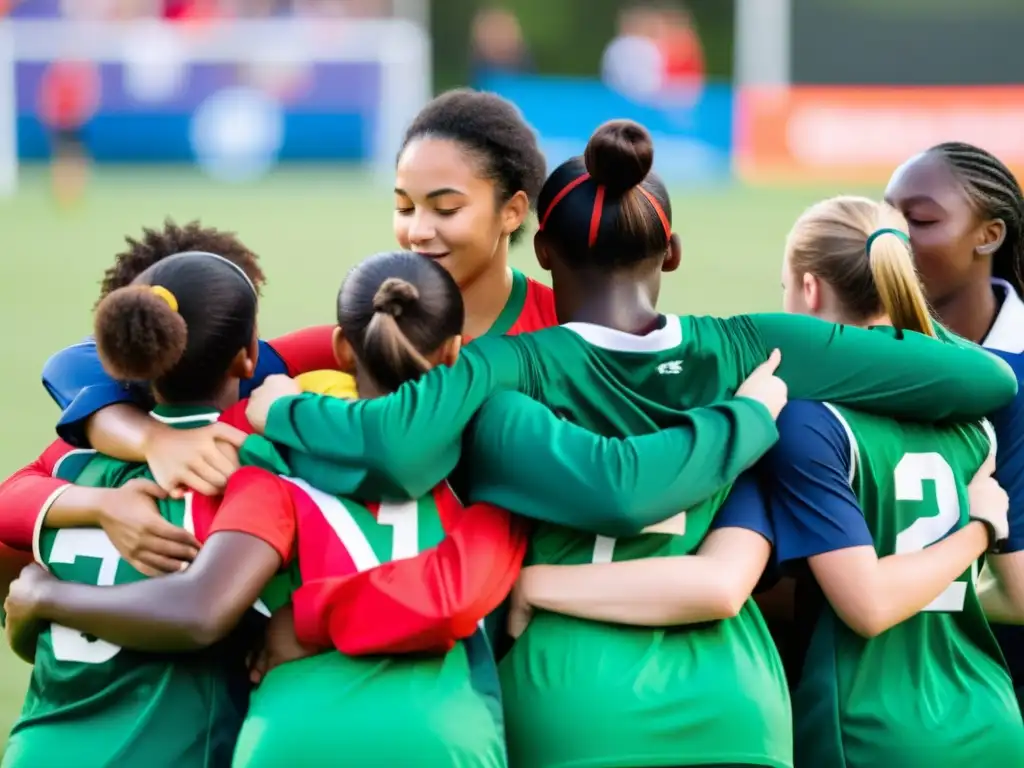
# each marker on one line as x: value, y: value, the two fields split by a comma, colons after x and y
x: 860, y: 134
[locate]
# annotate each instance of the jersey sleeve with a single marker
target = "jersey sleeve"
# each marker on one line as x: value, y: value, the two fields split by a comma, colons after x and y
x: 813, y: 507
x: 309, y: 349
x: 421, y: 604
x: 1008, y: 424
x: 521, y: 456
x: 402, y: 444
x: 903, y: 375
x: 262, y: 505
x: 746, y: 507
x: 75, y: 379
x: 27, y: 495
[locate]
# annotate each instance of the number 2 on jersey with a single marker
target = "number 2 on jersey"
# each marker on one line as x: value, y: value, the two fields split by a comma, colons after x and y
x: 911, y: 472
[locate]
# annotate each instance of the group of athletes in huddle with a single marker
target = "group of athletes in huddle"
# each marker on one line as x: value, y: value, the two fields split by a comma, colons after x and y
x: 482, y: 522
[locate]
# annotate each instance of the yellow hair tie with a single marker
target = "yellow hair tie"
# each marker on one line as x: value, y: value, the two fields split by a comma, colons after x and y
x: 166, y: 295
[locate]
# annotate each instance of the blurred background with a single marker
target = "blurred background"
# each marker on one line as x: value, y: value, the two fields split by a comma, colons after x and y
x: 280, y: 119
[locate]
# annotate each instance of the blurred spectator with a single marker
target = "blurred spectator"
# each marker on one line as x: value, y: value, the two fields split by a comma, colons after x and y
x: 632, y: 63
x: 68, y: 97
x: 681, y: 51
x: 656, y: 52
x: 497, y: 44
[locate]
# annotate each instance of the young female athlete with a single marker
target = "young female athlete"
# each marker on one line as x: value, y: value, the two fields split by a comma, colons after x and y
x: 149, y: 543
x: 467, y: 177
x: 91, y: 702
x: 399, y: 315
x: 966, y: 215
x: 619, y: 367
x: 887, y: 527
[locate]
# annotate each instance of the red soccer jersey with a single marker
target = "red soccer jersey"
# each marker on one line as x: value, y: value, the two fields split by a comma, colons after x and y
x: 426, y: 602
x: 538, y: 309
x: 69, y: 94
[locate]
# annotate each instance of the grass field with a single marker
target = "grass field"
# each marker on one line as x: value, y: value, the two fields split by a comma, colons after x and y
x: 308, y: 227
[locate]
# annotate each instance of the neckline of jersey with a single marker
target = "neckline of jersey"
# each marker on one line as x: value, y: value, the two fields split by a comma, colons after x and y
x: 669, y: 336
x: 513, y: 306
x: 185, y: 416
x: 1006, y: 334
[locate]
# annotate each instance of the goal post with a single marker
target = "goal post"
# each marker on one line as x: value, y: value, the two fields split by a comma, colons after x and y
x: 339, y: 88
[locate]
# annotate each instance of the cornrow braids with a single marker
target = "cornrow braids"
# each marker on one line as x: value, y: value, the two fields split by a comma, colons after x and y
x: 996, y: 193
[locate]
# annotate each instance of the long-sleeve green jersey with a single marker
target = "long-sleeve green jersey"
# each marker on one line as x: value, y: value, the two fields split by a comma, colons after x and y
x: 93, y: 704
x: 630, y: 696
x: 932, y: 691
x: 405, y: 443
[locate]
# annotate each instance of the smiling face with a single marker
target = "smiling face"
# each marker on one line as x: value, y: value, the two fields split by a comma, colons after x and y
x: 945, y: 229
x: 446, y: 208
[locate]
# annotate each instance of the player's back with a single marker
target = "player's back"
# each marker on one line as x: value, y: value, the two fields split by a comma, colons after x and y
x: 92, y: 703
x: 428, y: 710
x: 637, y: 693
x: 862, y: 702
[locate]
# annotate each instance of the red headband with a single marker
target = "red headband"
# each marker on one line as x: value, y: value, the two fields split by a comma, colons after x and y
x: 595, y: 216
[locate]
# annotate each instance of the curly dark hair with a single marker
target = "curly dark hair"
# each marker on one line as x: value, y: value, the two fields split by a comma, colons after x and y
x: 493, y: 130
x: 179, y: 325
x: 155, y: 245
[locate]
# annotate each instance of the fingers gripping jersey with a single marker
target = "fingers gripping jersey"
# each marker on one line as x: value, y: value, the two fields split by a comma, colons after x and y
x: 92, y: 703
x: 932, y: 691
x: 381, y: 710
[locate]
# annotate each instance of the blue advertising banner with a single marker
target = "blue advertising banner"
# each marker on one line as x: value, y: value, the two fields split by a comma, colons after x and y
x: 329, y: 112
x: 692, y: 138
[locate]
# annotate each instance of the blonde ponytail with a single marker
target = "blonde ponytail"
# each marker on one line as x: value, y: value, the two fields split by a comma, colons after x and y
x: 895, y: 277
x: 861, y: 249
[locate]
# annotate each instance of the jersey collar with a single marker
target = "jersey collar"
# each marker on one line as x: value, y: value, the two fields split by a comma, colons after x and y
x: 513, y: 306
x: 669, y: 336
x: 1007, y: 332
x: 185, y: 416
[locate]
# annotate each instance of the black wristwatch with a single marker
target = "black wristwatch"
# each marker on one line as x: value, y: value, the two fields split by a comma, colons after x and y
x: 995, y: 545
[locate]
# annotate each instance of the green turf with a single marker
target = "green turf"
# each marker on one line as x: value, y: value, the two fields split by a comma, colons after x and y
x: 309, y: 227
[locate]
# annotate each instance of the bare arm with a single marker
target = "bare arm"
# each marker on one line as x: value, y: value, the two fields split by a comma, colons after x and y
x: 655, y: 592
x: 199, y: 459
x: 1001, y: 588
x: 872, y: 595
x: 180, y: 612
x: 121, y: 431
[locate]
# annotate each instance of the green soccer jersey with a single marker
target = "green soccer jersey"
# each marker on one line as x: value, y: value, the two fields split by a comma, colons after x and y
x: 933, y: 691
x: 404, y: 444
x: 92, y: 703
x: 580, y: 693
x: 431, y: 711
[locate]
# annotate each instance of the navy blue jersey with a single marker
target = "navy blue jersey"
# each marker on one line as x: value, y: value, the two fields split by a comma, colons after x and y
x: 1006, y: 339
x: 746, y: 507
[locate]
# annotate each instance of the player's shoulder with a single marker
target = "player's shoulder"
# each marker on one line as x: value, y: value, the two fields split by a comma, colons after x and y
x: 538, y: 309
x: 810, y: 429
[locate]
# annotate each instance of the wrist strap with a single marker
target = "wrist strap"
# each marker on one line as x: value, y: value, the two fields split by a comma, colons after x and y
x: 995, y: 545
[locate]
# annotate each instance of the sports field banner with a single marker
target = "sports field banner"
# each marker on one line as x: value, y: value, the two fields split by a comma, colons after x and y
x: 692, y: 132
x: 860, y: 134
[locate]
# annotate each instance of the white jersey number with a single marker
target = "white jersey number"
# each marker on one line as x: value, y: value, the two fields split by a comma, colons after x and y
x: 403, y: 517
x: 68, y: 545
x: 911, y: 472
x: 604, y: 546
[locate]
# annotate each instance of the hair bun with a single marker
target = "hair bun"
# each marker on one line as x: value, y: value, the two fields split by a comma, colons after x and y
x: 619, y: 155
x: 394, y: 296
